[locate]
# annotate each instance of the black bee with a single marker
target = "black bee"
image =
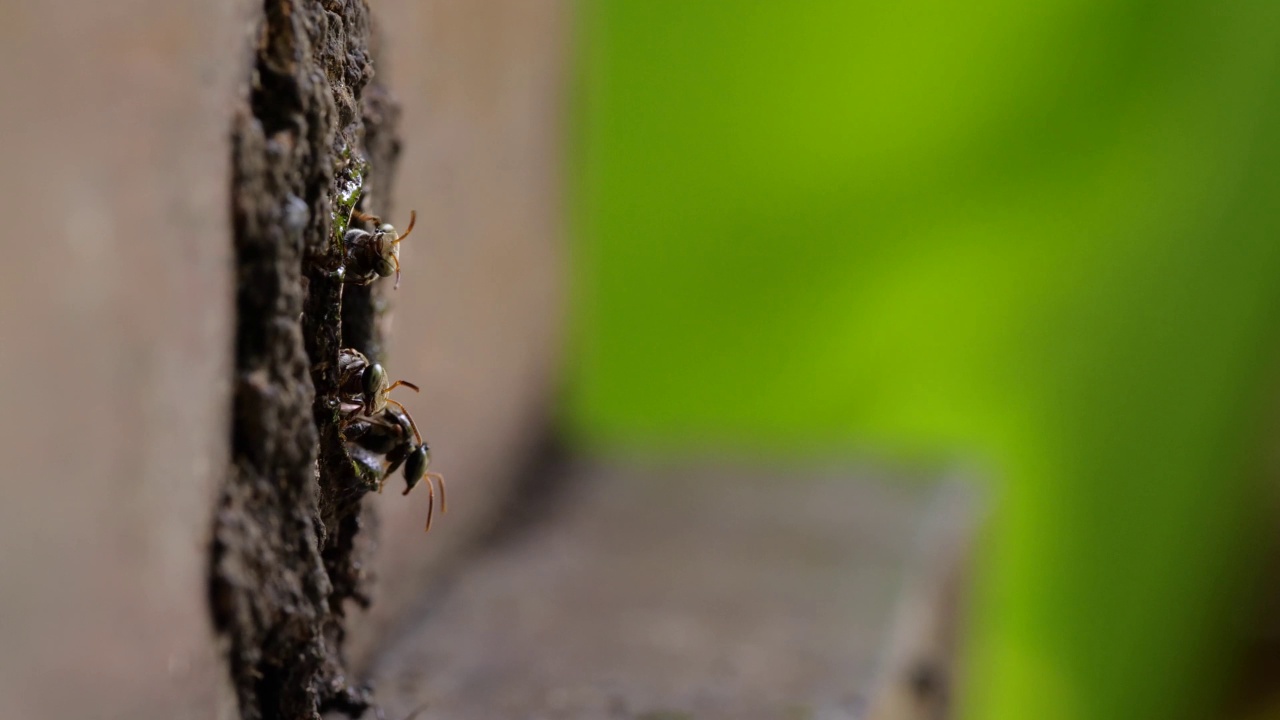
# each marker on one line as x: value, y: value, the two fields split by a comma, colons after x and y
x: 393, y: 434
x: 371, y: 255
x: 363, y: 386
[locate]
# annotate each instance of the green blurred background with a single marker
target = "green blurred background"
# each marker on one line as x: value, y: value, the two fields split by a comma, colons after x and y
x: 1038, y: 236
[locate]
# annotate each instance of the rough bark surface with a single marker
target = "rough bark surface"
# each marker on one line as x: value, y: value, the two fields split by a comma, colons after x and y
x: 313, y: 140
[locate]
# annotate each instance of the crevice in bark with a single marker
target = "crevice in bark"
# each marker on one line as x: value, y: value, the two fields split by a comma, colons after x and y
x: 315, y: 137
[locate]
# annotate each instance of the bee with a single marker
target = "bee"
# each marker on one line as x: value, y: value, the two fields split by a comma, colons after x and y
x: 371, y: 255
x: 393, y: 433
x: 363, y: 386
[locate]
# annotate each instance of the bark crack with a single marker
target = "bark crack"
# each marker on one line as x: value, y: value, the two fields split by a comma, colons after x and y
x: 315, y: 137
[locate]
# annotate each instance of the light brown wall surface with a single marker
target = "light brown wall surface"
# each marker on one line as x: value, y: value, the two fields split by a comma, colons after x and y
x: 476, y: 315
x: 114, y: 348
x: 115, y: 323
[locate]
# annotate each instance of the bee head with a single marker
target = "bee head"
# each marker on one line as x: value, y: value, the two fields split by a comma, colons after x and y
x: 373, y: 382
x: 385, y: 263
x: 415, y: 466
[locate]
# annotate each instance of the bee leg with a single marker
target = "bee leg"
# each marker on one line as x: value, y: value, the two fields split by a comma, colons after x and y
x: 395, y: 465
x: 396, y: 260
x: 358, y: 215
x: 349, y: 408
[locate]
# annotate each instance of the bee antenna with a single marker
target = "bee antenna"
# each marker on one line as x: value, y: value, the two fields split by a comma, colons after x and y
x: 413, y: 218
x: 431, y: 506
x: 412, y: 424
x: 440, y: 479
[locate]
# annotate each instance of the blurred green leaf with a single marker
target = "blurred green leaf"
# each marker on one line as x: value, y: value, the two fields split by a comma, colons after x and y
x: 1039, y: 235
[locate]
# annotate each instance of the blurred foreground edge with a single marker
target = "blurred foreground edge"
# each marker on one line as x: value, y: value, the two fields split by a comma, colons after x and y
x: 918, y: 675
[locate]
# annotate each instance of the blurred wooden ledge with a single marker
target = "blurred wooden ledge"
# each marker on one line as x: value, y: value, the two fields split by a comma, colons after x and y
x: 693, y: 592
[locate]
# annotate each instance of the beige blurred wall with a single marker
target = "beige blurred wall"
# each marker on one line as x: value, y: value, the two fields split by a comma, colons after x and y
x: 114, y: 350
x: 477, y: 314
x: 115, y: 324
